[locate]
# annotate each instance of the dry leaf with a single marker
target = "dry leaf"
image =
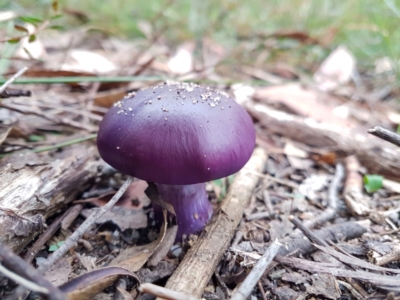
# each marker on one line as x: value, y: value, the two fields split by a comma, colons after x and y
x: 182, y: 61
x: 161, y: 252
x: 86, y: 286
x: 108, y: 98
x: 133, y: 198
x: 4, y: 131
x: 292, y: 150
x: 59, y: 272
x: 324, y: 285
x: 124, y: 218
x: 88, y: 61
x: 335, y: 70
x: 135, y: 257
x: 303, y: 101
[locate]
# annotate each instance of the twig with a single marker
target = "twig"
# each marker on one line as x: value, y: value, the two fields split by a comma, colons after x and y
x: 16, y: 93
x: 64, y: 144
x: 258, y: 215
x: 17, y: 265
x: 222, y: 285
x: 343, y: 231
x: 23, y: 282
x: 199, y: 263
x: 267, y: 201
x: 254, y: 276
x: 38, y: 112
x: 388, y: 282
x: 56, y: 108
x: 356, y: 202
x: 238, y: 238
x: 386, y: 135
x: 75, y: 79
x: 57, y: 146
x: 70, y: 242
x: 277, y: 180
x: 330, y: 212
x: 12, y: 79
x: 393, y: 255
x: 307, y: 232
x: 31, y: 253
x: 164, y: 293
x: 352, y: 290
x: 261, y: 288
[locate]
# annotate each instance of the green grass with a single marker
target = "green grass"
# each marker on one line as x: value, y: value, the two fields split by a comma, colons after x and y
x: 367, y: 27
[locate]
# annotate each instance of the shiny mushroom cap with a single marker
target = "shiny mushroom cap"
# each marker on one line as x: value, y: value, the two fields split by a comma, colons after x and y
x: 176, y: 133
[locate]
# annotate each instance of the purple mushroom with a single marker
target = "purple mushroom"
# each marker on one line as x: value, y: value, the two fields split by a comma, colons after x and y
x: 178, y: 136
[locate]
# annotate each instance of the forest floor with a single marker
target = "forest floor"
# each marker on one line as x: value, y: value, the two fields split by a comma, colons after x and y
x: 319, y: 212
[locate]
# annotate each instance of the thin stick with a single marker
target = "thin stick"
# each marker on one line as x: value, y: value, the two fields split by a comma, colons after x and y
x: 15, y: 264
x: 57, y: 146
x: 74, y: 79
x: 307, y: 232
x: 330, y: 212
x: 164, y: 293
x: 22, y: 281
x: 31, y: 253
x: 386, y: 135
x: 261, y: 288
x: 254, y: 276
x: 73, y: 239
x: 38, y: 112
x: 12, y: 79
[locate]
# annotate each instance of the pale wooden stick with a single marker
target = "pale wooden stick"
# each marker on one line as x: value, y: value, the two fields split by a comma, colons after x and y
x: 254, y: 276
x: 22, y: 281
x: 12, y: 79
x: 386, y: 135
x: 164, y: 293
x: 198, y: 265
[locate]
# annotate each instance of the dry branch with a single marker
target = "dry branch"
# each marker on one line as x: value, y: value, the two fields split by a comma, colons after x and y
x: 378, y: 157
x: 198, y: 265
x: 254, y: 276
x: 356, y: 202
x: 384, y: 281
x: 24, y: 270
x: 31, y: 253
x: 386, y: 135
x: 336, y: 232
x: 34, y: 187
x: 330, y: 212
x: 12, y: 79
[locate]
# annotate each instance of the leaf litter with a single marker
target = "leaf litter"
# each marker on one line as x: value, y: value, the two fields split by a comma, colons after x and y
x: 360, y: 259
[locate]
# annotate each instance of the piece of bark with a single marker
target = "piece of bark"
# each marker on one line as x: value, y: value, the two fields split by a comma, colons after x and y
x: 376, y: 156
x: 198, y: 265
x: 34, y: 187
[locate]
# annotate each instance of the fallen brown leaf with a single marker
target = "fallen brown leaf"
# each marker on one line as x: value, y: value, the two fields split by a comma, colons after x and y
x: 86, y: 286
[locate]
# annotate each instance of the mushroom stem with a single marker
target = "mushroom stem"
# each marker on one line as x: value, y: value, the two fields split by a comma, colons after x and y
x: 191, y: 205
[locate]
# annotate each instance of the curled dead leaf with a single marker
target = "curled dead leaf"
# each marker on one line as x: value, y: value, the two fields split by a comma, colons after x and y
x: 86, y: 286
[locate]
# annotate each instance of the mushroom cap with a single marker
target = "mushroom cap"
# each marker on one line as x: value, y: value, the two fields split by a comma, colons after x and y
x: 176, y: 133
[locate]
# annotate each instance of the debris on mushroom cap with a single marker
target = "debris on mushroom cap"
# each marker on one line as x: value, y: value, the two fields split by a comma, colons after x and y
x: 177, y: 133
